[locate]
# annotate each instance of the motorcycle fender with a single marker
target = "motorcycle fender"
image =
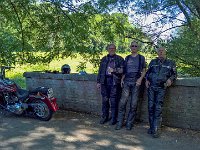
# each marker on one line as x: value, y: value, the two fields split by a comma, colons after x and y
x: 51, y: 103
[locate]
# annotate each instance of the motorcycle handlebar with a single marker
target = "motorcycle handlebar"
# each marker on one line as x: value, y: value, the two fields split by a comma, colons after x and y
x: 6, y: 67
x: 2, y: 73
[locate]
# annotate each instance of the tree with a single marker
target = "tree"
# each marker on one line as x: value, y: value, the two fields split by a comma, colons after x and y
x: 181, y: 16
x: 57, y: 29
x: 162, y: 11
x: 185, y: 49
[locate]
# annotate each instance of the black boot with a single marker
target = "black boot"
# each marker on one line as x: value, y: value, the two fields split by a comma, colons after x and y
x: 156, y: 133
x: 103, y: 120
x: 118, y: 126
x: 129, y: 126
x: 112, y: 122
x: 157, y: 128
x: 149, y: 131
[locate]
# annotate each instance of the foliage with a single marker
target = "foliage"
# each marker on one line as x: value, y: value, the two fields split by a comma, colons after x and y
x: 180, y: 17
x: 39, y: 31
x: 55, y: 65
x: 173, y: 13
x: 185, y: 49
x: 58, y: 29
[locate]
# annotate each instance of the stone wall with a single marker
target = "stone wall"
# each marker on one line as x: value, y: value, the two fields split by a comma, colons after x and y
x: 78, y: 92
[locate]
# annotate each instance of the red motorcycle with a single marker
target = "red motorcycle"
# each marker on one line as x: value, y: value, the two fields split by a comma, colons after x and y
x: 39, y: 103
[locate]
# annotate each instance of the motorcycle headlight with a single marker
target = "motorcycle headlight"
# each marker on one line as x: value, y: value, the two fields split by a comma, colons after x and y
x: 50, y: 93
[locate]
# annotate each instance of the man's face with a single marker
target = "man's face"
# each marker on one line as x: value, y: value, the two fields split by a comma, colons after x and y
x: 161, y: 53
x: 112, y: 49
x: 134, y: 47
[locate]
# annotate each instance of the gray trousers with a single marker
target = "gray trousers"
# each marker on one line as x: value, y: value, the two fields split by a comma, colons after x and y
x: 129, y: 88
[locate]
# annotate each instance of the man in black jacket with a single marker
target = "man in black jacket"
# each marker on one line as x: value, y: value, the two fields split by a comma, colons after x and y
x: 160, y: 75
x: 108, y: 80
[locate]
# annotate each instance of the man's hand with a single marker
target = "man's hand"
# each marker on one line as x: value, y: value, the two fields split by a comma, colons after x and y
x: 118, y: 70
x: 98, y: 86
x: 169, y: 83
x: 147, y: 83
x: 110, y: 70
x: 139, y: 82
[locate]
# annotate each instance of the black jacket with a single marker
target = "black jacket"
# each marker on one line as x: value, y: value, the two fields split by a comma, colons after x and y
x: 118, y: 70
x: 159, y: 72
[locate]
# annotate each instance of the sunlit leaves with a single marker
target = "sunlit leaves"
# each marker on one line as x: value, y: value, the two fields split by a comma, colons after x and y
x: 185, y: 49
x: 49, y: 29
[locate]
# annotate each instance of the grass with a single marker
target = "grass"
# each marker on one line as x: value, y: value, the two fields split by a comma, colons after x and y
x: 17, y: 73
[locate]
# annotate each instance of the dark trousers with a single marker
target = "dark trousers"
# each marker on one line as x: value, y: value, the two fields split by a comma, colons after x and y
x: 110, y: 99
x: 155, y: 103
x: 129, y: 87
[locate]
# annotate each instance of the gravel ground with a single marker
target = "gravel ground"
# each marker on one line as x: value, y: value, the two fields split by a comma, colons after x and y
x: 75, y: 131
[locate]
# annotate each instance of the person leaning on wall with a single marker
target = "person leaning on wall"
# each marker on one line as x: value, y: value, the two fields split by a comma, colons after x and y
x: 108, y: 80
x: 161, y: 74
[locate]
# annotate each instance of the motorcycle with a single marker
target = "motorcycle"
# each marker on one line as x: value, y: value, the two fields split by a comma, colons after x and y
x: 39, y: 103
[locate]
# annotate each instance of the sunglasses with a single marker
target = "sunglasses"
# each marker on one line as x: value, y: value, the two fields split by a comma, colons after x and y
x: 134, y: 46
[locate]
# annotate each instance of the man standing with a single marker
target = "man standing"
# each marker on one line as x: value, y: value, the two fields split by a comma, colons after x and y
x: 160, y: 75
x: 108, y: 79
x: 134, y: 72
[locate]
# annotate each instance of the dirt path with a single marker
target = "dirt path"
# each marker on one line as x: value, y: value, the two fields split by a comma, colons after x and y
x: 75, y: 131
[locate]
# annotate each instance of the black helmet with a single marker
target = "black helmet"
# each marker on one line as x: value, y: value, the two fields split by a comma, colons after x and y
x: 65, y: 69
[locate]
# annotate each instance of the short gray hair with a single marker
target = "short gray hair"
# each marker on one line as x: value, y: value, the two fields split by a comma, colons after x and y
x: 111, y: 44
x: 157, y: 49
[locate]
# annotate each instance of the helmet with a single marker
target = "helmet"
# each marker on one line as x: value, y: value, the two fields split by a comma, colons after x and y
x: 65, y: 69
x: 82, y: 72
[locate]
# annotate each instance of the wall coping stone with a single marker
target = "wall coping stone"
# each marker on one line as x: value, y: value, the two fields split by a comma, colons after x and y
x: 189, y: 81
x: 60, y: 76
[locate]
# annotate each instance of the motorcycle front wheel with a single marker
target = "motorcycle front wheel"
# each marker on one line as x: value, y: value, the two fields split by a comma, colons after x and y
x: 42, y: 111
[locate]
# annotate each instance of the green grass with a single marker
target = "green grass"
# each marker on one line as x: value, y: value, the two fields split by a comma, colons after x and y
x: 17, y: 73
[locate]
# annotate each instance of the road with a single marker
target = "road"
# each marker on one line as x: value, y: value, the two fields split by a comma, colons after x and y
x: 75, y: 131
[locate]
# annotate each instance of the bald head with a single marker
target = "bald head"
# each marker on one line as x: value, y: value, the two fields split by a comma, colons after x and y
x: 161, y: 51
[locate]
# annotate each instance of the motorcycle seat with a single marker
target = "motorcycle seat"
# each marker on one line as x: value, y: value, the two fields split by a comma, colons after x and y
x: 22, y: 94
